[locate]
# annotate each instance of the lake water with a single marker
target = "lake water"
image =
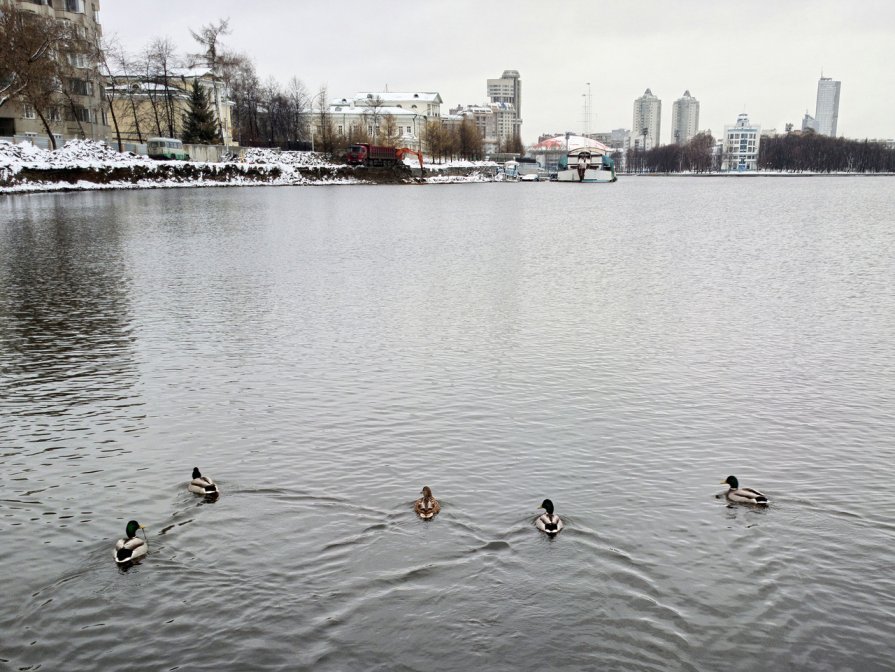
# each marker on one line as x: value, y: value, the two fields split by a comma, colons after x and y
x: 325, y: 352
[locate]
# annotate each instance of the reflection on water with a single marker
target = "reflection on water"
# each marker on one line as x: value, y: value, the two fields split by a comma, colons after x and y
x: 324, y: 353
x: 66, y: 328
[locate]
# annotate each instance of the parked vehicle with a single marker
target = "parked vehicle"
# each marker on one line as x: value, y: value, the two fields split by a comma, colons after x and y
x: 166, y: 149
x: 379, y: 155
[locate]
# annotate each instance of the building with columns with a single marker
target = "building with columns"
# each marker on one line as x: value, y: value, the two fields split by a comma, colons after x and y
x: 384, y: 116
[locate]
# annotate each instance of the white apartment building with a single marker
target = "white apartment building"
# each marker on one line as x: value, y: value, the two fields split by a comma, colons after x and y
x: 507, y: 91
x: 647, y: 121
x: 684, y: 119
x: 740, y: 148
x: 826, y: 111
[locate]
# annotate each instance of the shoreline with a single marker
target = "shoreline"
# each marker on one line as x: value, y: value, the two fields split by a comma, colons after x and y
x: 90, y: 166
x: 32, y: 180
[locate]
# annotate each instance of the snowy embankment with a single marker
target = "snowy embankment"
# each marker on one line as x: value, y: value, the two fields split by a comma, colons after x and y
x: 459, y: 171
x: 85, y: 165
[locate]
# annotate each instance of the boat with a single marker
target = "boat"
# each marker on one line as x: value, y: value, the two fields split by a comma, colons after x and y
x: 586, y: 164
x: 511, y: 171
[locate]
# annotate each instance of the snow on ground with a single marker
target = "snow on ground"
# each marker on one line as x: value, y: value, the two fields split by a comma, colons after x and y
x: 258, y: 167
x: 459, y: 163
x: 257, y: 155
x: 75, y: 154
x: 459, y: 179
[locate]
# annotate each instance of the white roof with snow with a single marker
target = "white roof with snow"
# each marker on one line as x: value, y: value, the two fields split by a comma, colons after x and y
x: 558, y: 143
x: 426, y: 96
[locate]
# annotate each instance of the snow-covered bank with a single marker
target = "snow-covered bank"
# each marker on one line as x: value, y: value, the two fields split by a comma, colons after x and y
x: 84, y: 164
x: 88, y: 165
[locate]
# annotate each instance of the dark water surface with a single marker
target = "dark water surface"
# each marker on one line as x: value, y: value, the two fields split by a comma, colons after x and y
x: 325, y: 352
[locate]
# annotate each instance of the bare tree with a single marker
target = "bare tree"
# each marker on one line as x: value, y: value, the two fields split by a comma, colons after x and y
x: 390, y: 131
x: 120, y: 69
x: 30, y: 69
x: 239, y: 77
x: 435, y: 139
x: 470, y: 140
x: 325, y: 130
x: 112, y: 91
x: 299, y: 102
x: 159, y: 60
x: 373, y: 115
x: 208, y: 38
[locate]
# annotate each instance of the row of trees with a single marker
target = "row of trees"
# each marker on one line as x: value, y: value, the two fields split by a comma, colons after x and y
x: 264, y: 112
x: 462, y: 141
x: 695, y: 156
x: 792, y: 153
x: 153, y: 87
x: 42, y: 66
x: 821, y: 153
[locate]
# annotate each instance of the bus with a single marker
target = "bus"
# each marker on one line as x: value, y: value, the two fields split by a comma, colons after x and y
x: 166, y: 149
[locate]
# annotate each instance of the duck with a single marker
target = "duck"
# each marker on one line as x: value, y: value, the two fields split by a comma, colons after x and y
x: 202, y: 485
x: 743, y: 495
x: 131, y: 548
x: 549, y: 522
x: 426, y: 506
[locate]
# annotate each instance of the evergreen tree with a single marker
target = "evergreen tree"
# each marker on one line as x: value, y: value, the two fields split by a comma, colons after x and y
x: 199, y: 125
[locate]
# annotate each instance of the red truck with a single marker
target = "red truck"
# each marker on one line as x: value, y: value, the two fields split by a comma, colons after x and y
x: 378, y: 155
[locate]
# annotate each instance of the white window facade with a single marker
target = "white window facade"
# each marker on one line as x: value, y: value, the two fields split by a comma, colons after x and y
x: 741, y: 145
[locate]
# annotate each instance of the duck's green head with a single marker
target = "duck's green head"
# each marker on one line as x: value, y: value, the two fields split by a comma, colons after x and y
x: 547, y: 505
x: 132, y: 527
x: 196, y: 473
x: 732, y: 482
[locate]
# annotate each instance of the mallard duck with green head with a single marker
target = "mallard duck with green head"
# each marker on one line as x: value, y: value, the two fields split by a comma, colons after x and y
x: 743, y: 495
x: 548, y: 522
x: 131, y: 548
x: 203, y: 485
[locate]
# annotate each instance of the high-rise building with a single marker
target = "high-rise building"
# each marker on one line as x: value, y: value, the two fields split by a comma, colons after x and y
x: 740, y: 149
x: 826, y: 113
x: 647, y: 120
x: 508, y: 90
x: 75, y: 109
x: 684, y: 119
x: 808, y: 123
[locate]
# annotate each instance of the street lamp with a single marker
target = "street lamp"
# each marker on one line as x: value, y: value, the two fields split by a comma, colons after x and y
x: 644, y: 132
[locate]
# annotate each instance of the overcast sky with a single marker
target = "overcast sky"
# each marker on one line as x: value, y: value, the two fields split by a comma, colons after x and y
x: 762, y: 57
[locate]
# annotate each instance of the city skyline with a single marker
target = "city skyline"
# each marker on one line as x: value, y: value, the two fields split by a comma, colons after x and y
x: 454, y: 52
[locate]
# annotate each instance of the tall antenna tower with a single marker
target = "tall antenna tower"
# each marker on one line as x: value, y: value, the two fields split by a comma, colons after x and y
x: 587, y: 108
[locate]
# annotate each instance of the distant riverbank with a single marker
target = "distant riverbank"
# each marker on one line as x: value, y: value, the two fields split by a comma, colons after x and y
x: 86, y: 165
